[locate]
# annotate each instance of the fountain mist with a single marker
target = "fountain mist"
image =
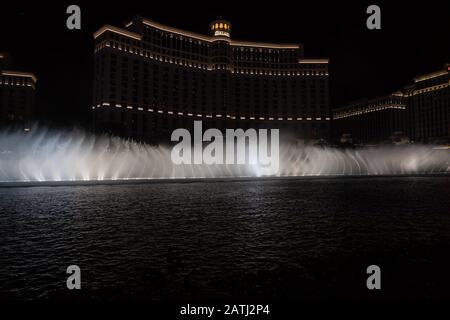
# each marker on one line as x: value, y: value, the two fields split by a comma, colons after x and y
x: 42, y: 155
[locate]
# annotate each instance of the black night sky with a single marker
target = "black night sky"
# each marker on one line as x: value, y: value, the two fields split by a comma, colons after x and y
x: 414, y: 39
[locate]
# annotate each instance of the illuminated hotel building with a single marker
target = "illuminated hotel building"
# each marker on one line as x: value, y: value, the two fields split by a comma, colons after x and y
x: 421, y: 111
x: 429, y: 106
x: 150, y: 78
x: 371, y: 120
x: 17, y: 95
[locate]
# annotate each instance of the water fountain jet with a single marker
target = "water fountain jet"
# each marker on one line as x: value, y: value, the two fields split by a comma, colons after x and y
x: 76, y: 156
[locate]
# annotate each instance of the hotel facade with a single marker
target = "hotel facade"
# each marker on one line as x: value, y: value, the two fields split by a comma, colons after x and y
x: 419, y: 111
x: 150, y: 79
x: 17, y: 95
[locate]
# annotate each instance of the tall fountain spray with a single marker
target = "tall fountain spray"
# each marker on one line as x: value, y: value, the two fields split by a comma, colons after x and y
x: 42, y: 155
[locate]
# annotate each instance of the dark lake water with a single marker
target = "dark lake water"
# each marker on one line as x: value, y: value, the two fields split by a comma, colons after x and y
x: 307, y: 239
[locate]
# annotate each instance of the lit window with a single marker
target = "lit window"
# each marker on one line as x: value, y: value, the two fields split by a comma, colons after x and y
x: 217, y: 25
x: 221, y: 25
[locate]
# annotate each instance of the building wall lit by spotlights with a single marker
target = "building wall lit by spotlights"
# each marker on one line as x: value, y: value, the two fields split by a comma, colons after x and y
x: 417, y: 112
x: 150, y: 78
x: 17, y: 95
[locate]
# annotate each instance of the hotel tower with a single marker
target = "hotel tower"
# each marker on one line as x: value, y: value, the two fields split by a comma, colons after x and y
x: 150, y: 78
x: 17, y: 95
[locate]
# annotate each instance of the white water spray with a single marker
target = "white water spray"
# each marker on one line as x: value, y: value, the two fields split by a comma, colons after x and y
x: 42, y: 155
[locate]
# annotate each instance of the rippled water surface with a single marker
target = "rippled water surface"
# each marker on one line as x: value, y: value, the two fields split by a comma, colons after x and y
x: 280, y: 239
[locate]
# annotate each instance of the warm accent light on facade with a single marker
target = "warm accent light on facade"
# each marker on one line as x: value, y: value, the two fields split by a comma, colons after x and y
x: 431, y: 75
x: 313, y: 61
x: 120, y: 31
x: 19, y: 74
